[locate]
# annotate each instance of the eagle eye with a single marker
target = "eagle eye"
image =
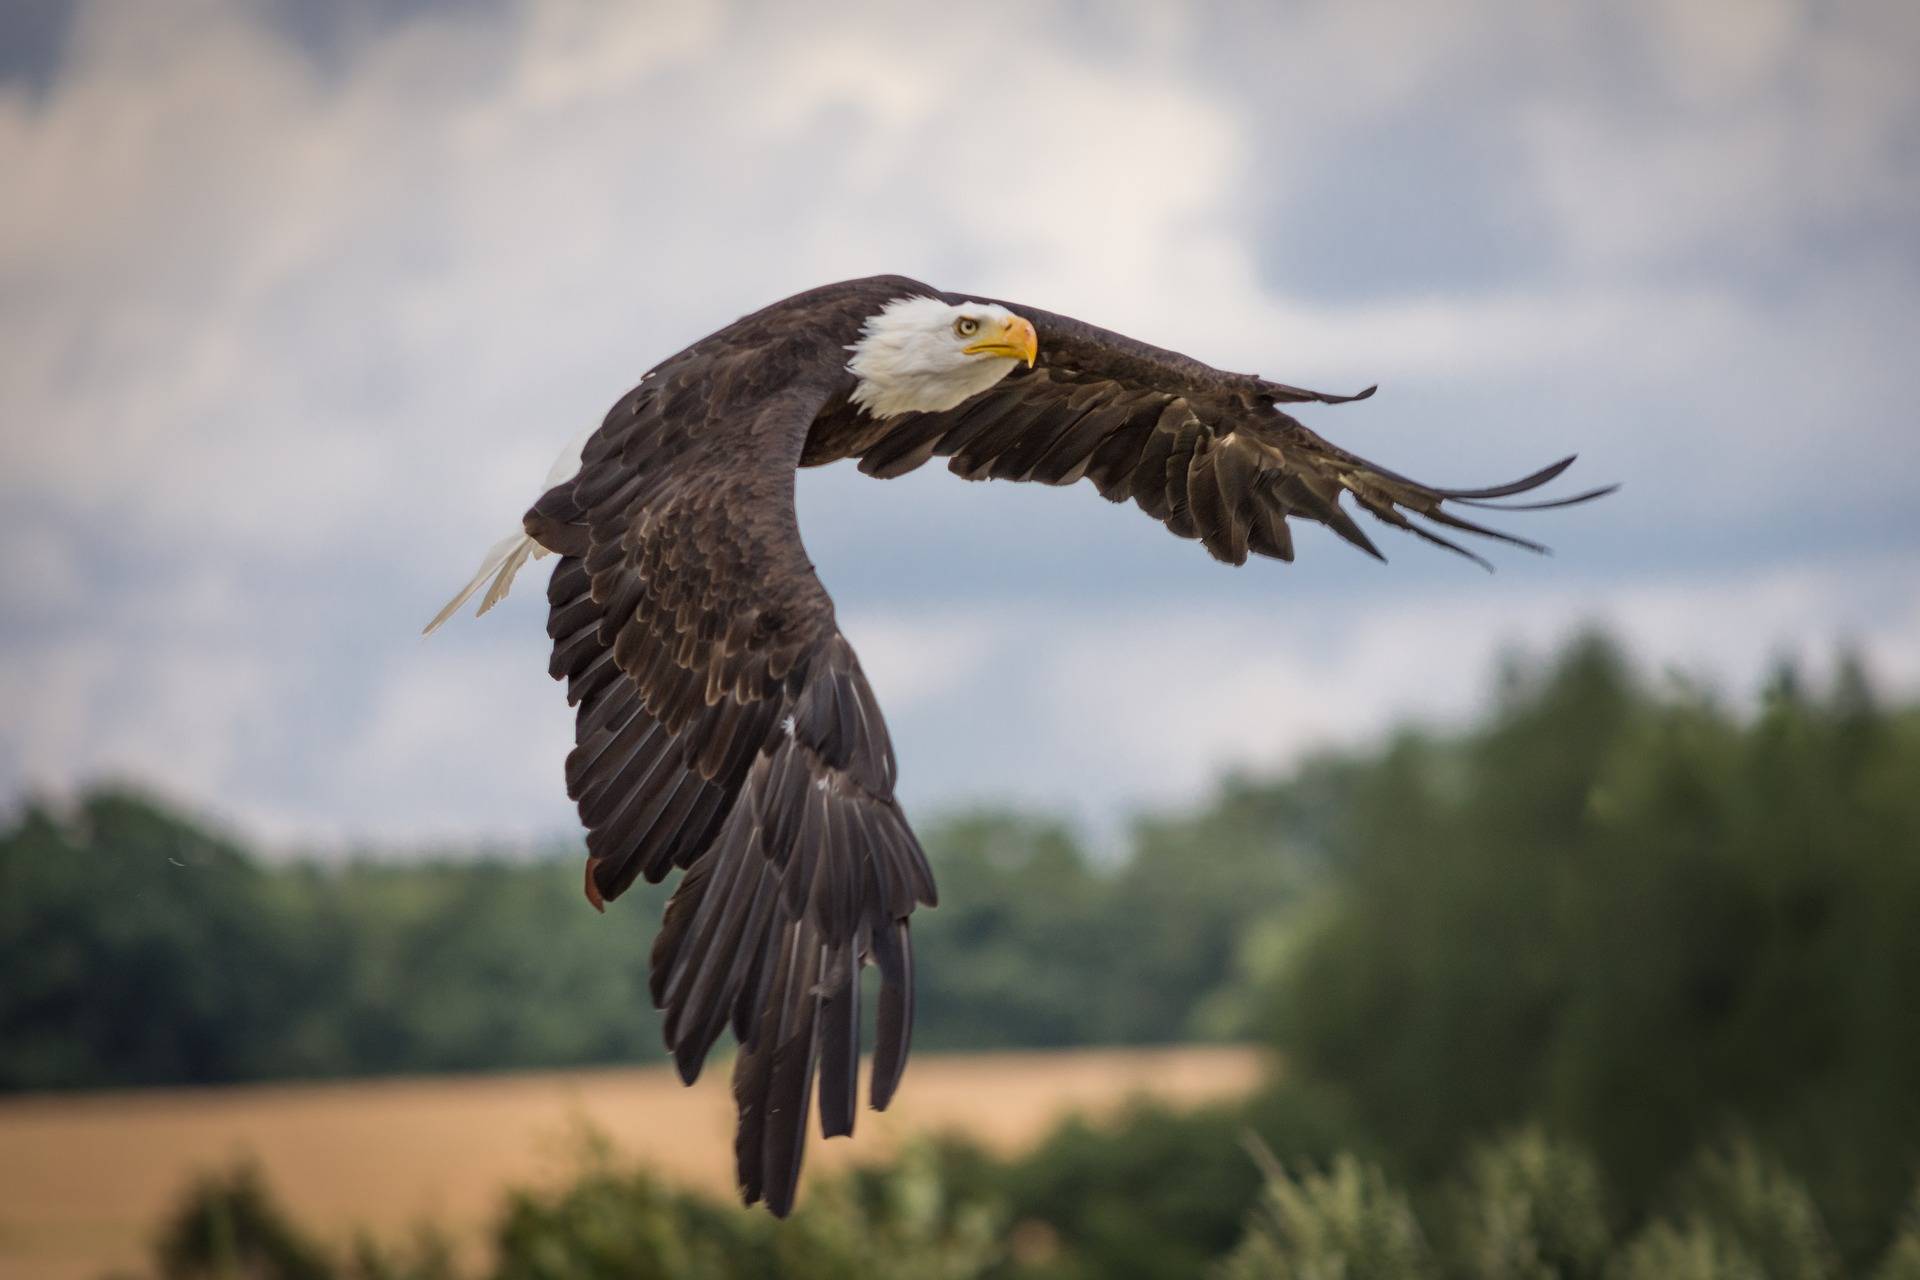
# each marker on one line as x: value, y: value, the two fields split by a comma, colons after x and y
x: 966, y: 326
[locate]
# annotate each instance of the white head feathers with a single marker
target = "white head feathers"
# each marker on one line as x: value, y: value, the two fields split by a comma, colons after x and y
x: 922, y: 355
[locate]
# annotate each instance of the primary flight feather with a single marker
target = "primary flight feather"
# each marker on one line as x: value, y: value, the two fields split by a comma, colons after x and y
x: 724, y: 726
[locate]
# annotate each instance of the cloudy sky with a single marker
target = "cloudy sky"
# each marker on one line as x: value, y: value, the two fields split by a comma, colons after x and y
x: 298, y: 302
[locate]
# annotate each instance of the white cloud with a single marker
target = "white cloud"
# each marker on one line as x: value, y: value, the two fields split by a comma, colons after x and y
x: 450, y: 749
x: 1763, y: 123
x: 1105, y: 711
x: 912, y: 661
x: 184, y: 718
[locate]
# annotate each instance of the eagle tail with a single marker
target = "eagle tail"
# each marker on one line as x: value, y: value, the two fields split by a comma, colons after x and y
x: 502, y: 562
x: 512, y: 551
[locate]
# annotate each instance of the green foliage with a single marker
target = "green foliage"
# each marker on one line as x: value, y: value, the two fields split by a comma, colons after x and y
x: 142, y: 950
x: 229, y: 1227
x: 1205, y: 896
x: 1529, y: 1208
x: 464, y: 965
x: 1533, y: 1207
x: 1157, y: 1193
x: 1697, y: 1252
x: 131, y: 936
x: 624, y: 1224
x: 1036, y: 945
x: 1902, y: 1259
x: 910, y: 1218
x: 1019, y: 890
x: 428, y: 1255
x: 1636, y: 918
x: 1762, y: 1209
x: 1348, y: 1223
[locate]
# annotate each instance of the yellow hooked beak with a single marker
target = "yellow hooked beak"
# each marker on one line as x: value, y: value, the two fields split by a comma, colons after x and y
x: 1015, y: 339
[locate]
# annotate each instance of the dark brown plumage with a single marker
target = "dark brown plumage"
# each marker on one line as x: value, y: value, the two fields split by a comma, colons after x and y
x: 724, y: 725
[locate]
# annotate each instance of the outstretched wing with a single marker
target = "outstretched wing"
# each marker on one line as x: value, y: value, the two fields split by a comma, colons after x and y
x: 724, y: 726
x: 1207, y: 452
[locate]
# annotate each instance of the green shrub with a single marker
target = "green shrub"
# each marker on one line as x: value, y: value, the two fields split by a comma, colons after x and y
x: 1666, y: 1252
x: 1348, y: 1223
x: 882, y: 1221
x: 1530, y: 1208
x: 1154, y: 1192
x: 1756, y: 1204
x: 900, y: 1219
x: 427, y: 1255
x: 229, y: 1227
x: 1902, y: 1258
x: 612, y: 1223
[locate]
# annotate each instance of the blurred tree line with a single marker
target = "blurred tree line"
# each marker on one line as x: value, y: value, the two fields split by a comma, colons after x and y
x: 1638, y: 919
x: 1673, y: 945
x: 142, y: 948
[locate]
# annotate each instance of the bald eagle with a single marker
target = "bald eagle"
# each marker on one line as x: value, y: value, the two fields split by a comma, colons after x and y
x: 724, y: 726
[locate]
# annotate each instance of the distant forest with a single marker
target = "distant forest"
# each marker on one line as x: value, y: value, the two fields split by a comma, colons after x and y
x: 142, y: 948
x: 1617, y: 909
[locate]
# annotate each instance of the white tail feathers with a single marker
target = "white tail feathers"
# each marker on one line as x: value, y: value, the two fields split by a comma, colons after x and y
x: 512, y: 551
x: 501, y: 563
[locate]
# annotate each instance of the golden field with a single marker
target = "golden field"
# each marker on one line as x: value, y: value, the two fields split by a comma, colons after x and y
x: 85, y: 1178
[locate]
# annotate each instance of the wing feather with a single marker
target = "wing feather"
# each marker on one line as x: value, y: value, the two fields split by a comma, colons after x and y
x: 1209, y: 453
x: 723, y: 726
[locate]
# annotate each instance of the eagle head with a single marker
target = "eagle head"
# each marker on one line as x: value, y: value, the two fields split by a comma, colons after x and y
x: 922, y: 355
